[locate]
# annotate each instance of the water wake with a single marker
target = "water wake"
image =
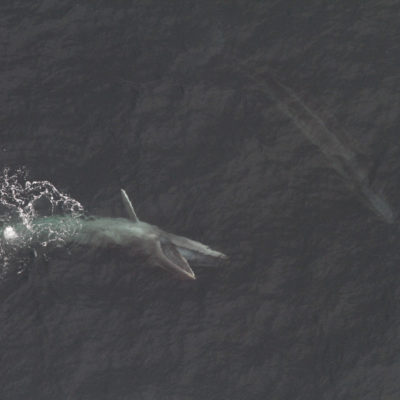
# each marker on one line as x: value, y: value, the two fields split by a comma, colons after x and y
x: 22, y: 204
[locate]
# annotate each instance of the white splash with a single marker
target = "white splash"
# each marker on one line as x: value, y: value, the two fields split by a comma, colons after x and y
x: 22, y: 202
x: 9, y: 233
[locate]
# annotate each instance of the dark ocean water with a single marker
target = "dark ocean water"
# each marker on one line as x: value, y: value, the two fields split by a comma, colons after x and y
x: 183, y: 104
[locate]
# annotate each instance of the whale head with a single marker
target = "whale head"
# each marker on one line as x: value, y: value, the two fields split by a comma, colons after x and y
x: 166, y: 250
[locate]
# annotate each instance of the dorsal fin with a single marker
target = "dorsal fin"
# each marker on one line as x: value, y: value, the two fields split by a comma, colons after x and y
x: 128, y: 206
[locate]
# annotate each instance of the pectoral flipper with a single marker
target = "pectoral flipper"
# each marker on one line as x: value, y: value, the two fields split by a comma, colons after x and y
x: 128, y: 206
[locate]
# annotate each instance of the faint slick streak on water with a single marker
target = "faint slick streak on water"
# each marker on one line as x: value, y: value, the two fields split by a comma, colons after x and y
x: 341, y: 157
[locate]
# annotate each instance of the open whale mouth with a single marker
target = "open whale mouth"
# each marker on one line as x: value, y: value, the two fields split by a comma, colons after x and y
x: 175, y: 252
x: 171, y: 259
x: 170, y: 251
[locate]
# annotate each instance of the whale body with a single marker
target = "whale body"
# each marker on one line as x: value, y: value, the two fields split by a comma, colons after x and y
x: 160, y: 248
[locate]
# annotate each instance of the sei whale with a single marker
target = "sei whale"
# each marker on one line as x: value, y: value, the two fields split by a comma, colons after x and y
x: 166, y: 250
x: 342, y: 158
x: 158, y: 247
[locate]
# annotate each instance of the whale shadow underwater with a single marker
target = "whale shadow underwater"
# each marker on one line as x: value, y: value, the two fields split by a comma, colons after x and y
x: 341, y: 157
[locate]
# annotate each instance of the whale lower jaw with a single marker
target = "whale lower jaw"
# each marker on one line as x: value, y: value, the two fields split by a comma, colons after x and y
x: 170, y: 258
